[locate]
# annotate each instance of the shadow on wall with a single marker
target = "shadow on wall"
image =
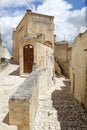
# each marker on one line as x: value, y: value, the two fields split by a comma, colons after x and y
x: 70, y: 113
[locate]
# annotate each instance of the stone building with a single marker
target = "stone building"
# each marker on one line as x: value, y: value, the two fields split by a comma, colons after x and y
x: 33, y: 42
x: 78, y: 71
x: 33, y: 49
x: 61, y: 49
x: 4, y: 53
x: 62, y: 53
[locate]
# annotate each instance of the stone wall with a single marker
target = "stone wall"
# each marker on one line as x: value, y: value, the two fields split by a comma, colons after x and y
x: 19, y: 32
x: 45, y: 57
x: 78, y: 71
x: 41, y: 25
x: 62, y: 53
x: 23, y: 104
x: 33, y: 26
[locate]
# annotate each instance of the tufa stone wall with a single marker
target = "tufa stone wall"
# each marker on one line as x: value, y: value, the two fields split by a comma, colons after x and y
x: 35, y: 27
x: 62, y: 53
x: 23, y: 103
x: 78, y: 71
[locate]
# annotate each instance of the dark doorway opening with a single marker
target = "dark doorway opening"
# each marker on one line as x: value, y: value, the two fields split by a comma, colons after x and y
x: 28, y: 54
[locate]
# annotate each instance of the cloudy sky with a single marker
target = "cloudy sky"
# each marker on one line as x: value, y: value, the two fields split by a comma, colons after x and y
x: 70, y: 16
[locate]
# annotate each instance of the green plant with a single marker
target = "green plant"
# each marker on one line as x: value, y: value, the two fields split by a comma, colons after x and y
x: 49, y: 127
x: 49, y: 113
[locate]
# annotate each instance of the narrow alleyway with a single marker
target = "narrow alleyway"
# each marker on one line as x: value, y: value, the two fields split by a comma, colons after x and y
x: 58, y: 110
x: 70, y: 114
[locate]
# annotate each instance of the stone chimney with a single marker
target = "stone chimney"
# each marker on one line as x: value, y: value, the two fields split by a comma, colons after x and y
x: 28, y: 11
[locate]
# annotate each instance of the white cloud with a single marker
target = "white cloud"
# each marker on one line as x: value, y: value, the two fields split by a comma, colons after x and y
x: 7, y: 3
x: 67, y: 23
x: 7, y: 23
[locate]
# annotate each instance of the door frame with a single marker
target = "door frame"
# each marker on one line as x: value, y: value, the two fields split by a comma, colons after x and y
x: 32, y: 60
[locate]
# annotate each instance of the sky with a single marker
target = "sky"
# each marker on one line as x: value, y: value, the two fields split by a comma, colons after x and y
x: 70, y: 17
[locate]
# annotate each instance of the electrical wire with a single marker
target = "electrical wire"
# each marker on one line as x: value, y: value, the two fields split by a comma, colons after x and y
x: 29, y: 5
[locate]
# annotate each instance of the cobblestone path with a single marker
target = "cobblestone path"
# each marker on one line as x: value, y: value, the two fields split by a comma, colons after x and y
x: 58, y: 110
x: 70, y: 114
x: 46, y: 115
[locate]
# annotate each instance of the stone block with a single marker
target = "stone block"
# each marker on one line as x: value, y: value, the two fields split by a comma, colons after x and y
x: 19, y: 111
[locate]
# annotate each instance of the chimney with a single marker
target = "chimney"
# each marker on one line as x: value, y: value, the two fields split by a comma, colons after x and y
x: 28, y: 11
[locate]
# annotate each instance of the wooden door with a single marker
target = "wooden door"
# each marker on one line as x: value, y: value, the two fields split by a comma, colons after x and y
x: 28, y: 58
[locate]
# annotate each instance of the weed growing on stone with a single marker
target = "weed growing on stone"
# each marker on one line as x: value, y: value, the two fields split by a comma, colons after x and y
x: 49, y: 114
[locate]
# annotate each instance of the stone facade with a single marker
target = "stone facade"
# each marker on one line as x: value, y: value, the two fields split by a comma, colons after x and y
x: 62, y: 53
x: 78, y: 71
x: 36, y: 30
x: 35, y: 35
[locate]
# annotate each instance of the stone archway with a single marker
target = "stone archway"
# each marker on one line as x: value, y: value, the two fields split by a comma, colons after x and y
x: 28, y: 58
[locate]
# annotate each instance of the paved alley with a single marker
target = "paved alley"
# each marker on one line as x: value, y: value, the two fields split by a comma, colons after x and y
x: 58, y: 110
x: 9, y: 82
x: 70, y: 114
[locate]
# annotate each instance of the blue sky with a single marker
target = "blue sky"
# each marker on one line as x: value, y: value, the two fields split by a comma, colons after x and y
x: 70, y: 16
x: 77, y: 4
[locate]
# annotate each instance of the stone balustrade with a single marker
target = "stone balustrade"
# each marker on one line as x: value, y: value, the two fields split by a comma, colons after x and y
x: 23, y: 103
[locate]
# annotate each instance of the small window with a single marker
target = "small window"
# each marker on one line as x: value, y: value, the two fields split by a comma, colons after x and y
x: 26, y: 46
x: 31, y: 47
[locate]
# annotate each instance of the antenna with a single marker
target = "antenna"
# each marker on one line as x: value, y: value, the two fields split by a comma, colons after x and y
x: 29, y: 5
x: 0, y: 37
x: 64, y: 37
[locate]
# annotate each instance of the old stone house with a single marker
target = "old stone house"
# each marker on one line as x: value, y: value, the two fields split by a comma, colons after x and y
x: 62, y: 53
x: 78, y: 73
x: 33, y: 49
x: 33, y: 42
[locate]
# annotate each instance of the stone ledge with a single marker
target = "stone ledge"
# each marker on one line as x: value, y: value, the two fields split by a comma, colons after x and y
x: 25, y: 90
x: 20, y: 102
x: 23, y: 103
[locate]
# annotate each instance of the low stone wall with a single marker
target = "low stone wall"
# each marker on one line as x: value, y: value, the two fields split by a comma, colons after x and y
x: 23, y: 103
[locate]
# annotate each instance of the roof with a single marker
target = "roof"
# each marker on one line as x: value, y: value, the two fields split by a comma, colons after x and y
x: 34, y: 14
x: 80, y: 35
x: 38, y: 14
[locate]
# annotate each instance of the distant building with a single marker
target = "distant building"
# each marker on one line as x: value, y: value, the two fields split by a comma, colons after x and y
x: 62, y: 53
x: 33, y: 42
x: 4, y: 53
x: 78, y: 73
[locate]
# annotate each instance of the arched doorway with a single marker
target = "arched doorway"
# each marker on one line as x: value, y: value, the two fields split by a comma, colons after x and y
x: 28, y: 54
